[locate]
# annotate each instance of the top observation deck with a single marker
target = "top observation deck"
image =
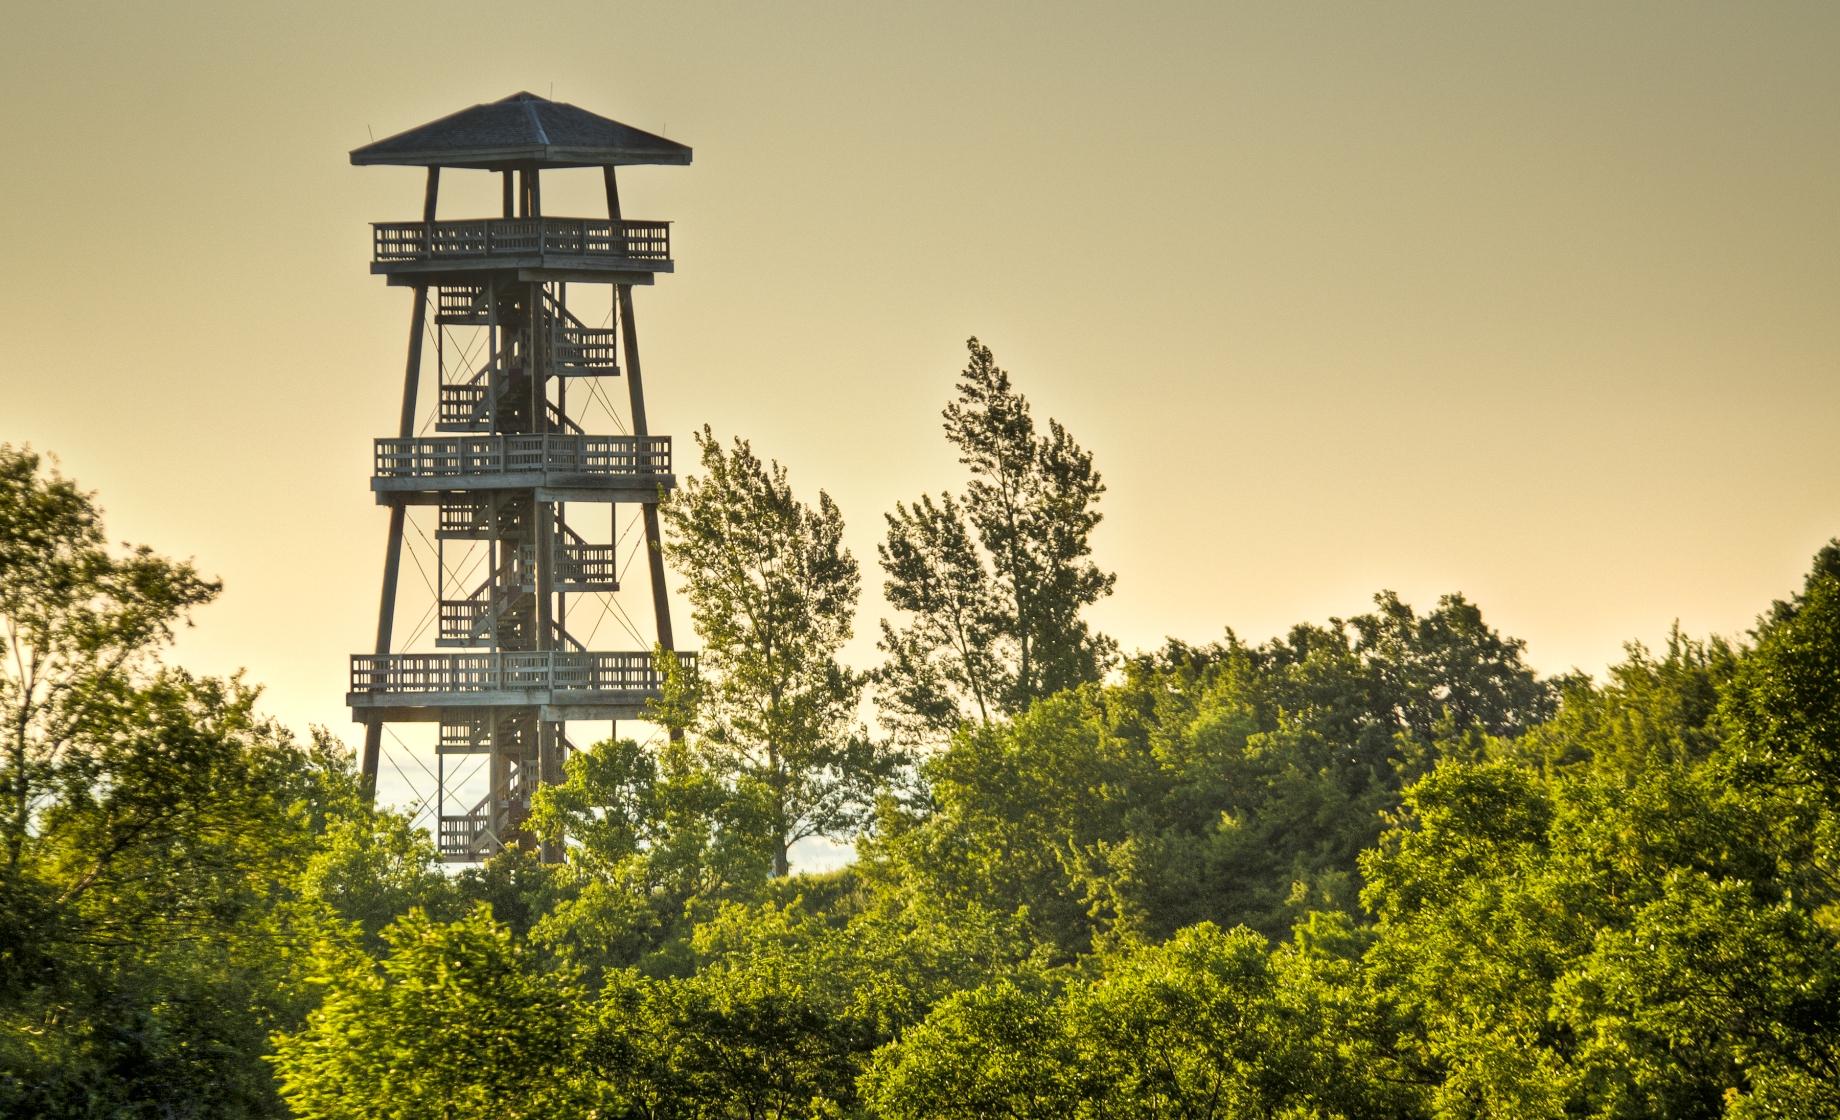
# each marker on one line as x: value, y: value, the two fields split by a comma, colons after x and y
x: 522, y: 132
x: 585, y: 248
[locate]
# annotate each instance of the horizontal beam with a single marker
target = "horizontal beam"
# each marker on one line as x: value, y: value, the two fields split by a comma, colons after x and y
x: 429, y: 491
x: 612, y: 684
x: 396, y: 707
x: 532, y: 271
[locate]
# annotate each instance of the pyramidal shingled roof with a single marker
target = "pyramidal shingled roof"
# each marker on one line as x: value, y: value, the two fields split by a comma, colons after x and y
x: 521, y: 131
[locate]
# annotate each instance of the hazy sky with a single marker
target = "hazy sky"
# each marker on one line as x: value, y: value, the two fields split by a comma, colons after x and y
x: 1534, y: 302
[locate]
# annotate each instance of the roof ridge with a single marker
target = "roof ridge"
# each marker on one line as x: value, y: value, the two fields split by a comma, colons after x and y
x: 536, y: 122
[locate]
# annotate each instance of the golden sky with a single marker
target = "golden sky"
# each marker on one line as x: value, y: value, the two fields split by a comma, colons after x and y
x: 1536, y: 302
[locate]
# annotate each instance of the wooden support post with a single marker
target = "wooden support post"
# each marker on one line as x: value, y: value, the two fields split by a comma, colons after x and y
x: 545, y: 575
x: 552, y: 326
x: 648, y: 511
x: 440, y: 785
x: 539, y: 415
x: 537, y: 359
x: 635, y: 388
x: 392, y: 557
x: 498, y: 777
x: 549, y: 773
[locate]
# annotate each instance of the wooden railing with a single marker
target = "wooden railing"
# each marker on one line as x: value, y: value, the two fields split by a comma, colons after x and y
x: 585, y: 350
x: 460, y: 835
x: 487, y: 613
x: 459, y: 456
x: 477, y: 731
x: 587, y: 563
x: 639, y: 242
x: 463, y: 407
x: 467, y: 517
x: 467, y: 735
x: 551, y: 670
x: 478, y: 834
x: 463, y: 620
x: 463, y: 304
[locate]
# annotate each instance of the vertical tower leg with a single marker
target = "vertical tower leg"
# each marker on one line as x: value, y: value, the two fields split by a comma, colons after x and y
x: 549, y: 773
x: 392, y: 557
x: 635, y: 385
x: 498, y: 778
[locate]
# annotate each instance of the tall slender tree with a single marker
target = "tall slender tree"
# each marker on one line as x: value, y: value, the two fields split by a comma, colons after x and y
x: 773, y: 592
x: 155, y: 831
x: 992, y: 584
x: 80, y: 625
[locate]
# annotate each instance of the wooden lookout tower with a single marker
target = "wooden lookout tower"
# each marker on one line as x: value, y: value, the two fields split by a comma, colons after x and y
x: 523, y: 524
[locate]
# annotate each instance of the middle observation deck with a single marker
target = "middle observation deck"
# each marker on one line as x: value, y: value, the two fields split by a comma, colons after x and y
x: 534, y: 249
x: 558, y: 468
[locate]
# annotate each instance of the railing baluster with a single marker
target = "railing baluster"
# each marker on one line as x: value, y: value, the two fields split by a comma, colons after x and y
x: 451, y: 456
x: 412, y: 241
x: 550, y: 670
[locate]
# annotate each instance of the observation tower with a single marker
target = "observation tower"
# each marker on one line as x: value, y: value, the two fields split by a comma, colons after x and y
x: 522, y: 524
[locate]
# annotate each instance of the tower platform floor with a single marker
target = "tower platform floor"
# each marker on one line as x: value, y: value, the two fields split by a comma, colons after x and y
x: 561, y: 684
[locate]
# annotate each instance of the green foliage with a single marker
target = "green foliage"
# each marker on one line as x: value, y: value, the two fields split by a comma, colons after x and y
x: 154, y: 827
x: 786, y: 1006
x: 1705, y: 987
x: 1209, y: 1024
x: 1651, y: 712
x: 992, y: 585
x: 1503, y: 896
x: 455, y: 1020
x: 659, y: 840
x: 81, y: 629
x: 773, y: 592
x: 1781, y: 710
x: 369, y: 869
x: 998, y: 1050
x: 1202, y: 1026
x: 1627, y: 931
x: 1232, y: 784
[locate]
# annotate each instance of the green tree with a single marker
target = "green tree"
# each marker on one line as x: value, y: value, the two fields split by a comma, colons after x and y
x: 1208, y: 1024
x: 81, y: 624
x: 659, y: 839
x: 1706, y: 990
x: 372, y: 867
x: 997, y: 1050
x: 1652, y: 711
x: 1624, y: 913
x: 151, y: 924
x: 155, y: 829
x: 992, y: 585
x: 1230, y: 783
x: 761, y: 1030
x: 1783, y: 708
x: 773, y: 592
x: 782, y: 1004
x: 455, y: 1021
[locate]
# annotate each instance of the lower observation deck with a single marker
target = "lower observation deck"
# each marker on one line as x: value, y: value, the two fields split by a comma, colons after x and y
x: 544, y: 248
x: 559, y: 468
x: 564, y: 684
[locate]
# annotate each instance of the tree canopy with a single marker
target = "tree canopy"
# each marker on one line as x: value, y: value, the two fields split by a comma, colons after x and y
x: 773, y: 593
x: 1374, y: 867
x: 990, y: 585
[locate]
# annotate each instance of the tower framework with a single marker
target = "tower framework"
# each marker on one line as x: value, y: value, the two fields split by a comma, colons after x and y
x: 499, y: 477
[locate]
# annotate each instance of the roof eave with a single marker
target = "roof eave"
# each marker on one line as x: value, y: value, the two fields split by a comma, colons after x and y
x: 545, y: 155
